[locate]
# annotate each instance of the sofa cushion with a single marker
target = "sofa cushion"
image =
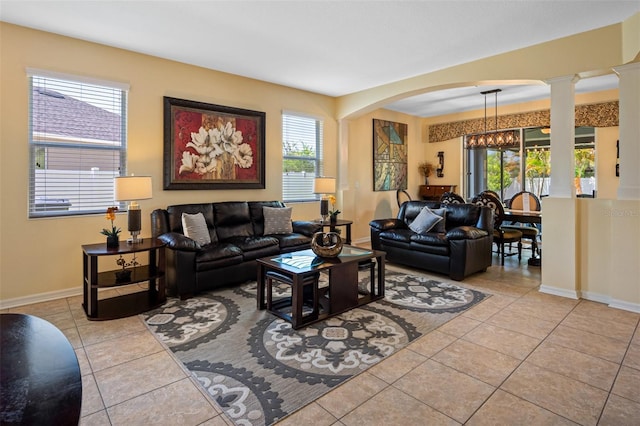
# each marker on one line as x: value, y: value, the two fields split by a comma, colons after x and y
x: 195, y: 227
x: 175, y: 217
x: 253, y: 243
x: 440, y: 226
x: 257, y: 217
x: 220, y: 255
x: 232, y: 219
x: 425, y: 220
x: 293, y: 240
x: 277, y: 220
x: 462, y: 215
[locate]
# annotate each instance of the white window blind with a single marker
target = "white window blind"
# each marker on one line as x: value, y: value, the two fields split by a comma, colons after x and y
x: 77, y: 144
x: 301, y: 156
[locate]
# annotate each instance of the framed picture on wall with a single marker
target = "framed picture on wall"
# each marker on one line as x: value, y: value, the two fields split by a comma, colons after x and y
x: 389, y: 155
x: 209, y: 146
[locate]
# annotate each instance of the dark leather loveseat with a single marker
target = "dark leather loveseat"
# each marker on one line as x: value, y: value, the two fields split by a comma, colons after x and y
x: 461, y: 250
x: 236, y: 230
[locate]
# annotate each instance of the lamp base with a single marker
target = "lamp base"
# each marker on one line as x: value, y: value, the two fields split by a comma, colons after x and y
x: 134, y: 238
x: 134, y: 225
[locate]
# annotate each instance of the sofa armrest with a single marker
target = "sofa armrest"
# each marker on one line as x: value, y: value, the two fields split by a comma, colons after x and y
x: 159, y: 222
x: 306, y: 227
x: 466, y: 233
x: 386, y: 224
x: 177, y: 241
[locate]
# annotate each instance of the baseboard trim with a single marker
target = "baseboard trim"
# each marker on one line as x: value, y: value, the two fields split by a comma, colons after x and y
x: 41, y: 297
x: 626, y: 306
x: 596, y: 297
x: 562, y: 292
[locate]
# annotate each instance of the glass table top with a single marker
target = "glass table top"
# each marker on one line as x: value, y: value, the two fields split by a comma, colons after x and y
x: 305, y: 259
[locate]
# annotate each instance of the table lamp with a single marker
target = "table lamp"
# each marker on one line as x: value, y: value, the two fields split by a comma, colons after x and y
x: 324, y: 185
x: 133, y: 188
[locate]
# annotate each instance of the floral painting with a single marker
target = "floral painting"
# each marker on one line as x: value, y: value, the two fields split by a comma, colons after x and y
x: 389, y: 155
x: 212, y: 146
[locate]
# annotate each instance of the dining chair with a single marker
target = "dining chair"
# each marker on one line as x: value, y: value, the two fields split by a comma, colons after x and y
x: 501, y: 236
x: 451, y: 198
x: 518, y: 201
x: 529, y: 231
x: 402, y: 196
x: 494, y: 193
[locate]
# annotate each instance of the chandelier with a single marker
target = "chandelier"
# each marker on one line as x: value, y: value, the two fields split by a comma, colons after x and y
x: 494, y: 139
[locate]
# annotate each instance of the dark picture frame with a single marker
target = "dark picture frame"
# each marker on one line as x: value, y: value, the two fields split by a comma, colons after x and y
x: 389, y: 155
x: 209, y: 146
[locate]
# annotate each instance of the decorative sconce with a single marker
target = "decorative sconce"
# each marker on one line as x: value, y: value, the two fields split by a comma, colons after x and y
x: 440, y: 169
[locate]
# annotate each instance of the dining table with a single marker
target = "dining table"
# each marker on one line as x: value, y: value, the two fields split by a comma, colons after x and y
x: 523, y: 216
x: 526, y: 216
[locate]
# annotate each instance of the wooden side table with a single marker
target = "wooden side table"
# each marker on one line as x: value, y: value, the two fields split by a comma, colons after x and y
x: 434, y: 192
x: 127, y: 304
x: 340, y: 222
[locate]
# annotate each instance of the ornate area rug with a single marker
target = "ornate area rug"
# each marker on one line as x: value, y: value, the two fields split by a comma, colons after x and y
x: 259, y: 370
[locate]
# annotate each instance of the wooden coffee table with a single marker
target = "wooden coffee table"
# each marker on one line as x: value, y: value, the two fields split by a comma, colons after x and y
x: 342, y: 293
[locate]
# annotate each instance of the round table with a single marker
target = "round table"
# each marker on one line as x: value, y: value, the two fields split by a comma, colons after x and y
x: 40, y: 378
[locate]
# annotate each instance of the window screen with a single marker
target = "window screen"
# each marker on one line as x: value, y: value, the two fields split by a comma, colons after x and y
x: 77, y: 144
x: 301, y: 156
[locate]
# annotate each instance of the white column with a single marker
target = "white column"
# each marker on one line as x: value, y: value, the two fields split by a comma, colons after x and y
x: 629, y: 128
x: 562, y: 136
x: 560, y: 254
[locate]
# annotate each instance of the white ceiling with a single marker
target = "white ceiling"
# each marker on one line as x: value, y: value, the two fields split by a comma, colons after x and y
x: 331, y: 47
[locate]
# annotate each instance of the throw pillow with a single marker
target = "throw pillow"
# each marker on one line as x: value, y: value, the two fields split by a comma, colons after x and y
x: 425, y: 220
x: 440, y: 225
x: 194, y: 226
x: 277, y: 220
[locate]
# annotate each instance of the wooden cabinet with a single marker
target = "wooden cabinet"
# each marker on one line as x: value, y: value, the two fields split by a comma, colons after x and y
x: 126, y: 304
x: 433, y: 192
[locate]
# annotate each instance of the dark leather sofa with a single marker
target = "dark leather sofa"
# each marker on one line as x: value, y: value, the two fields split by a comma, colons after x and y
x: 237, y: 240
x: 465, y: 247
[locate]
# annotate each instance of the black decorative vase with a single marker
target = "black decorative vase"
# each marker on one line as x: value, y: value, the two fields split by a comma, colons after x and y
x: 113, y: 241
x: 333, y: 218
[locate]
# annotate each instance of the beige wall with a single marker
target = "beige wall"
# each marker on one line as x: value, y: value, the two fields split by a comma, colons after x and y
x: 362, y: 203
x: 43, y: 255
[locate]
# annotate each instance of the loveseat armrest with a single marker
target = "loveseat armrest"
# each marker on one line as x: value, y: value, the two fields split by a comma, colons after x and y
x: 466, y: 233
x: 386, y: 224
x: 177, y: 241
x: 306, y: 227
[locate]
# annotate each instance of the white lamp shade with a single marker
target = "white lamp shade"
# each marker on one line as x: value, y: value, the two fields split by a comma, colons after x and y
x: 324, y: 185
x: 130, y: 188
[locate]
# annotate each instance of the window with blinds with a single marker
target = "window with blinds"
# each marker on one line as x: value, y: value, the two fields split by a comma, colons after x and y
x: 77, y: 143
x: 301, y: 156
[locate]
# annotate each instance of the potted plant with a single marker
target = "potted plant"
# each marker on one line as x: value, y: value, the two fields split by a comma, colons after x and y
x: 333, y: 213
x: 124, y: 275
x: 425, y: 169
x: 113, y: 240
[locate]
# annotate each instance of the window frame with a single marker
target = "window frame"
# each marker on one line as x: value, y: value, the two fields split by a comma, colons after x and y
x: 44, y: 145
x: 317, y: 159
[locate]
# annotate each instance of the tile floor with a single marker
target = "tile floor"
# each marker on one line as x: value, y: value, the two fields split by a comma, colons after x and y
x: 519, y: 357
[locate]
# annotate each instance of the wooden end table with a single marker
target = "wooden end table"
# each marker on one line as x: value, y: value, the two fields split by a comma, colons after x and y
x: 340, y: 222
x: 127, y: 304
